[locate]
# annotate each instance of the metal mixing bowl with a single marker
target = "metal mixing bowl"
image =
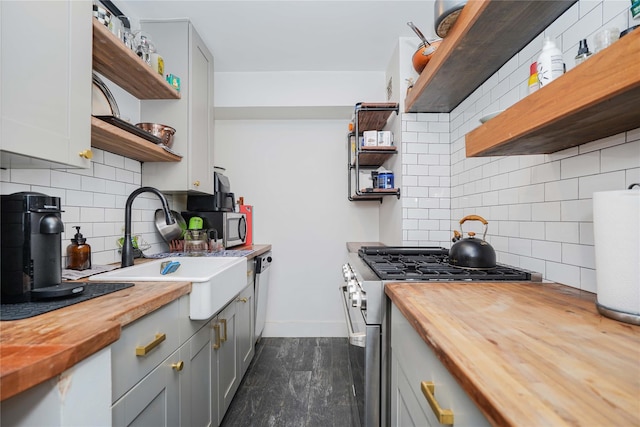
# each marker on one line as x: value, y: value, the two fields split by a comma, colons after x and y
x: 164, y: 132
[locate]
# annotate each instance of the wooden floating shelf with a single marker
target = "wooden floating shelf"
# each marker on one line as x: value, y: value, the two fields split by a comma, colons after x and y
x: 594, y: 100
x: 486, y: 35
x: 374, y: 116
x: 122, y: 66
x: 375, y: 156
x: 115, y: 140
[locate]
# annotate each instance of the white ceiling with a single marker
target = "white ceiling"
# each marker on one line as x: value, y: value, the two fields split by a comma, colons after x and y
x: 302, y: 35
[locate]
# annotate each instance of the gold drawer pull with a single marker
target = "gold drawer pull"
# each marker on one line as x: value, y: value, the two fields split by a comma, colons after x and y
x: 224, y: 323
x: 216, y: 343
x: 142, y: 351
x: 444, y: 416
x: 178, y: 366
x: 86, y: 154
x: 242, y: 300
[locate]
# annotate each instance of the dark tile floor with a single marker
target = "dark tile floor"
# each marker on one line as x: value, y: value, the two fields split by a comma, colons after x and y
x: 295, y: 382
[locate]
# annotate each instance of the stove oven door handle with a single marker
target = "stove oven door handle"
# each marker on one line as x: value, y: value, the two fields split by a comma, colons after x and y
x: 355, y: 338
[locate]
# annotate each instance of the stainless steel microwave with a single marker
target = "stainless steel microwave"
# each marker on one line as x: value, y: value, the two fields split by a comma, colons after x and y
x: 230, y: 226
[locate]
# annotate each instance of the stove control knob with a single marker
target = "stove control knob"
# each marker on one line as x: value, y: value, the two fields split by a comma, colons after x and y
x: 352, y: 286
x: 358, y: 300
x: 347, y: 273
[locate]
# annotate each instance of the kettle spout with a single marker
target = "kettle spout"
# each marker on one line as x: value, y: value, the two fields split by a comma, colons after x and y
x: 456, y: 236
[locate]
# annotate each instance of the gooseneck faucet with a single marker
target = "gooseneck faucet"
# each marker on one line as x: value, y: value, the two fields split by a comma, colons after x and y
x: 127, y: 246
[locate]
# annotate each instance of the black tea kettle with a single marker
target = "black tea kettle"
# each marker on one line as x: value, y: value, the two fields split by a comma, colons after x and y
x: 471, y: 252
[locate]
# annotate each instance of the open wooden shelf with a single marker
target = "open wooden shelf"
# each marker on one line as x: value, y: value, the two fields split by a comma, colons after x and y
x: 598, y: 98
x: 115, y: 140
x: 122, y: 66
x: 376, y: 194
x: 374, y: 115
x: 486, y: 35
x: 375, y: 156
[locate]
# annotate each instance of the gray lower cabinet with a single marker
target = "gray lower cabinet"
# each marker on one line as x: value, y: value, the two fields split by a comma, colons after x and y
x: 233, y: 348
x: 417, y: 377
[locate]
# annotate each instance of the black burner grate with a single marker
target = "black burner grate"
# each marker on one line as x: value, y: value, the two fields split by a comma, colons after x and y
x: 430, y: 264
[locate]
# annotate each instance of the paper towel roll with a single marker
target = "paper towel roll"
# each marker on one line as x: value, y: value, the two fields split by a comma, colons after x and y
x: 616, y: 218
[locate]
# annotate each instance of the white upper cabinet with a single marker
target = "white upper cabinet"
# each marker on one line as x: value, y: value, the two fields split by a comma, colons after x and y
x: 186, y: 56
x: 45, y: 81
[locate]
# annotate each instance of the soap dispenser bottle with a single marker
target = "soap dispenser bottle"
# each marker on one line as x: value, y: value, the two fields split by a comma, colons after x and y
x: 550, y: 64
x: 78, y: 252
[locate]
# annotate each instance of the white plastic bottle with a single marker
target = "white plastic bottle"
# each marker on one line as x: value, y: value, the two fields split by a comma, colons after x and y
x: 550, y: 65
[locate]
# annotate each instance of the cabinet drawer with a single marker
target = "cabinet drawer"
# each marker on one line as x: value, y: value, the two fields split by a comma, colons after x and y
x: 420, y: 364
x: 144, y: 336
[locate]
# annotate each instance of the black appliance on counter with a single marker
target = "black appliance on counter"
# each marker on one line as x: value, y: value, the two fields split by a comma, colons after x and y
x: 366, y: 311
x: 32, y: 248
x: 222, y: 200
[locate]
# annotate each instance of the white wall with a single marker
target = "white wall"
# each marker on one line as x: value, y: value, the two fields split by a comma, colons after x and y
x: 294, y: 174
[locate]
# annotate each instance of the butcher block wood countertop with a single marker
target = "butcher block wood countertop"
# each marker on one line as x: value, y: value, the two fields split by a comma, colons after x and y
x: 36, y: 349
x: 529, y: 354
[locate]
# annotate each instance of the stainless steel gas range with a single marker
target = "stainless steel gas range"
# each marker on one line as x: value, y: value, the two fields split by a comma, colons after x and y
x: 366, y: 308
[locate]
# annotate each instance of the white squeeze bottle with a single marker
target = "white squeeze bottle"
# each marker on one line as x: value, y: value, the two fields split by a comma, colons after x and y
x: 550, y: 65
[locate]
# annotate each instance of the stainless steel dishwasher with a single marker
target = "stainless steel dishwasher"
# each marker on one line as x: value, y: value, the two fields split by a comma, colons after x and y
x: 263, y: 264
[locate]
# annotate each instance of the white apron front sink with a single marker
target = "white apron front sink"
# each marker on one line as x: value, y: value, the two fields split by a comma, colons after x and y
x: 215, y: 280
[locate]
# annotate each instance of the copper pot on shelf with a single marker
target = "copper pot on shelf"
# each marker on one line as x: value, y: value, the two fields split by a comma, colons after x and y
x: 425, y: 50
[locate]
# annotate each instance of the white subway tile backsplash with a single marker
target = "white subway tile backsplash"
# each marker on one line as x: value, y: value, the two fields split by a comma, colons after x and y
x: 602, y: 182
x: 531, y: 193
x: 548, y: 211
x: 94, y: 185
x: 621, y: 157
x: 562, y: 232
x: 545, y: 172
x: 586, y: 164
x: 576, y: 210
x: 66, y: 180
x: 40, y: 177
x: 580, y: 255
x: 78, y: 198
x: 545, y: 250
x: 104, y: 171
x: 114, y: 160
x: 125, y: 176
x: 563, y: 273
x: 603, y: 143
x: 520, y: 212
x: 532, y: 230
x: 561, y: 190
x: 586, y: 233
x: 588, y: 280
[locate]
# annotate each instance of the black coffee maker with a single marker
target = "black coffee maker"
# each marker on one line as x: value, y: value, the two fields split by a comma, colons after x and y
x: 222, y: 200
x: 31, y: 247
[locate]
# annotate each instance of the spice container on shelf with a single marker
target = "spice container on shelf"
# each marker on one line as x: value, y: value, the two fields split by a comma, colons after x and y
x: 583, y: 52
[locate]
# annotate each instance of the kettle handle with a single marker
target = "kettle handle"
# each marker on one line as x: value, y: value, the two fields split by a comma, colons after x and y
x: 476, y: 218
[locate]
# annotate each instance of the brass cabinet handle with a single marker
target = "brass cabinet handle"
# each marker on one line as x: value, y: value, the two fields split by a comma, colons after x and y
x: 196, y: 183
x: 86, y: 154
x: 178, y: 366
x: 242, y: 300
x: 143, y: 350
x: 216, y: 343
x: 224, y: 323
x: 444, y: 416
